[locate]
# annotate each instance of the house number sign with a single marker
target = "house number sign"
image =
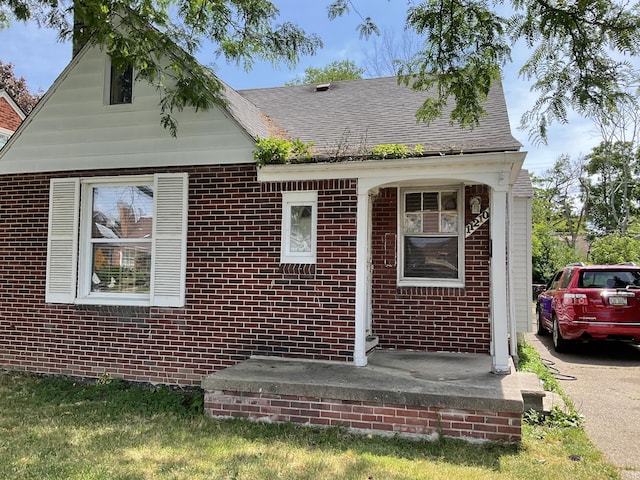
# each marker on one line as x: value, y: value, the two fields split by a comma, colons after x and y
x: 476, y: 223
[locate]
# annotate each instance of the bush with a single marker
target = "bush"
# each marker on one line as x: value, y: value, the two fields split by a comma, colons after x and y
x: 614, y: 249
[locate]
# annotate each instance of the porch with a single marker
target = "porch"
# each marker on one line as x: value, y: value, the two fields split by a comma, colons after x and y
x: 416, y: 394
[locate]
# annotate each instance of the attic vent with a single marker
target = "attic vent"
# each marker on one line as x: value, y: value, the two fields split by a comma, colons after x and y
x: 322, y: 87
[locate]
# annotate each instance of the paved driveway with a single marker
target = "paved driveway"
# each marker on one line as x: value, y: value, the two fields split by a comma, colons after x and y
x: 603, y: 381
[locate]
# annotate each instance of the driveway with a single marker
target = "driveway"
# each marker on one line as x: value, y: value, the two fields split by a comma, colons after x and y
x: 603, y: 381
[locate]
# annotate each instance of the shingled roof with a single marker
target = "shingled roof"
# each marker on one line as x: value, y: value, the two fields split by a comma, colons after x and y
x: 349, y: 117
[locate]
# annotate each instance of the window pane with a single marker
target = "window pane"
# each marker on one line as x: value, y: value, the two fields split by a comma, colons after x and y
x: 301, y: 216
x: 413, y: 202
x: 430, y: 201
x: 431, y: 257
x: 122, y: 212
x: 121, y: 86
x: 121, y: 268
x: 413, y: 223
x: 431, y: 222
x: 449, y: 201
x: 449, y: 223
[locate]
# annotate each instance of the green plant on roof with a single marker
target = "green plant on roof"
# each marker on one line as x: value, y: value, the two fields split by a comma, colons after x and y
x: 396, y: 150
x: 274, y: 150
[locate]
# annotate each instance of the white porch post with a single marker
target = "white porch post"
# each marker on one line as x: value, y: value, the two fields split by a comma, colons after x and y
x: 499, y: 298
x: 362, y: 256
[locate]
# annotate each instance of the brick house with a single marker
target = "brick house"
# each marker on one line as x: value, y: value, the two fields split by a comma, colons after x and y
x: 161, y: 259
x: 11, y: 116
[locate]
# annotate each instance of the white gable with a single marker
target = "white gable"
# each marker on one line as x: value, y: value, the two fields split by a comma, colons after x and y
x: 72, y: 128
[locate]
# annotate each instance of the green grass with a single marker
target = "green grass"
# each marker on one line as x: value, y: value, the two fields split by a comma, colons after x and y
x: 58, y: 428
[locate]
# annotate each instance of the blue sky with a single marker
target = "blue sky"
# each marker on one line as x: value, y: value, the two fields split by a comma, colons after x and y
x: 39, y: 57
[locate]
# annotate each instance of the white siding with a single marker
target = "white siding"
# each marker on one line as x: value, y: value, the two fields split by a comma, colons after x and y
x: 521, y: 242
x: 74, y: 129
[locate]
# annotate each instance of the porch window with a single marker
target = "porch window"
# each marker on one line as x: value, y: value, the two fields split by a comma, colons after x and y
x: 431, y: 243
x: 128, y: 236
x: 299, y: 227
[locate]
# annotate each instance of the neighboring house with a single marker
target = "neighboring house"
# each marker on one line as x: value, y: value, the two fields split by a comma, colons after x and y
x: 161, y: 259
x: 11, y: 116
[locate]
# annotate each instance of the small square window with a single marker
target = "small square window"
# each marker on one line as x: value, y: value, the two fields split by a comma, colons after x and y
x: 299, y: 227
x: 121, y: 86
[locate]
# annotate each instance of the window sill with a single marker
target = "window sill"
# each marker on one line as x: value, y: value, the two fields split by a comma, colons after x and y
x: 432, y: 283
x: 117, y: 302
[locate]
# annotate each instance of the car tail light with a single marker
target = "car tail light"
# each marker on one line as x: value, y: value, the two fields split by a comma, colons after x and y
x: 575, y: 299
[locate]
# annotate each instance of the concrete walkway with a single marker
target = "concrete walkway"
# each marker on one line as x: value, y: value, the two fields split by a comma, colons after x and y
x: 603, y: 381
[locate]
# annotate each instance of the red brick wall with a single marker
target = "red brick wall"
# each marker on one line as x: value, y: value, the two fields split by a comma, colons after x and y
x: 392, y: 419
x: 429, y: 318
x: 239, y: 299
x: 9, y: 119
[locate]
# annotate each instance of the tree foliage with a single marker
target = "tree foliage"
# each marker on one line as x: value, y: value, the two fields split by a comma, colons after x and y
x: 17, y: 88
x: 615, y: 189
x: 389, y: 51
x: 558, y: 216
x: 615, y: 248
x: 159, y: 39
x: 575, y: 62
x: 333, y: 72
x: 561, y: 199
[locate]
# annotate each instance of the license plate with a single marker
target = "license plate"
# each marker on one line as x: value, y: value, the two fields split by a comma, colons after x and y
x: 617, y: 301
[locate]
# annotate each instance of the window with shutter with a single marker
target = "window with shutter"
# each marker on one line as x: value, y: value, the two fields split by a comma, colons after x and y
x: 130, y: 240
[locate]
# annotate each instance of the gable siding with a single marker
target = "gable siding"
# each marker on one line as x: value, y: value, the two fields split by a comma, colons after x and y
x: 76, y: 130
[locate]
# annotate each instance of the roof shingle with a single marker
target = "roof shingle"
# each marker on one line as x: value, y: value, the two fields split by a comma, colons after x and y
x: 352, y: 116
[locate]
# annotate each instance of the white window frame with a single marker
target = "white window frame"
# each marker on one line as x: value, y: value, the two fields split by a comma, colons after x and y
x: 290, y: 200
x: 85, y: 259
x: 404, y: 281
x: 69, y: 253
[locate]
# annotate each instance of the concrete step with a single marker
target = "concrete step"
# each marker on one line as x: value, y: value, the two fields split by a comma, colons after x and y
x: 534, y: 395
x: 532, y: 392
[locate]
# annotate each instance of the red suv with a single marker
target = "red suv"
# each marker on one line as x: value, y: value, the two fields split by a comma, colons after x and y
x: 595, y: 302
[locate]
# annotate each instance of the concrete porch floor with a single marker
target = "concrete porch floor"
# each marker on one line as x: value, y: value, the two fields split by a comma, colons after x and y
x: 417, y: 392
x: 448, y: 380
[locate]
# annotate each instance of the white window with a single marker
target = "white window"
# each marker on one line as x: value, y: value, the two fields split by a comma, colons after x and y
x: 299, y: 227
x: 431, y: 243
x: 128, y: 235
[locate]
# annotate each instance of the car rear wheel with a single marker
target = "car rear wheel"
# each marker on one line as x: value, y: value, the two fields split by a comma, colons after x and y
x: 541, y: 330
x: 559, y: 344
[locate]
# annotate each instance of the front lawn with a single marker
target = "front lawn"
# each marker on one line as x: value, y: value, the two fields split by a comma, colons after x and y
x: 59, y: 428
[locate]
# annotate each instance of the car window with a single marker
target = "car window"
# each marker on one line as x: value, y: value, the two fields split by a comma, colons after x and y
x: 609, y: 279
x: 553, y: 283
x: 567, y: 278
